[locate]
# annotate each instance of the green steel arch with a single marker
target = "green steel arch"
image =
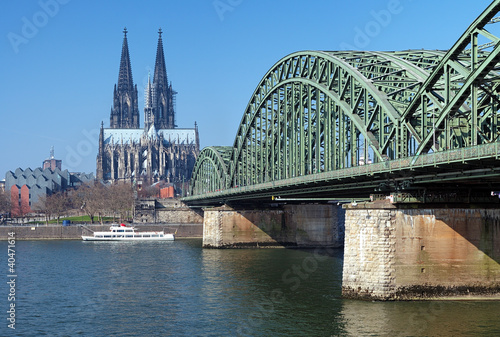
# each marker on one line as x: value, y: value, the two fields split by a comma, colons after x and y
x: 210, y: 170
x: 312, y: 112
x: 457, y: 106
x: 320, y: 111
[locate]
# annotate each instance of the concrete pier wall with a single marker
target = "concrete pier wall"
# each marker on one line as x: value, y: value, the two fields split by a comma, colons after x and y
x: 285, y: 226
x: 393, y: 253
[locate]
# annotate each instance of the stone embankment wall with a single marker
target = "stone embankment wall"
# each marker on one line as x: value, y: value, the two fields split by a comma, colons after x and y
x: 150, y: 214
x: 74, y: 232
x: 166, y: 211
x: 393, y: 253
x: 290, y: 225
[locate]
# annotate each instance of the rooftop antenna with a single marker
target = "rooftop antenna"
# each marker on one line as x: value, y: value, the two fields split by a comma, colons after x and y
x: 52, y: 152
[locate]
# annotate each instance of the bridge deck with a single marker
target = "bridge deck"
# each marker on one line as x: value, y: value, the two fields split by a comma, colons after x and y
x: 476, y: 166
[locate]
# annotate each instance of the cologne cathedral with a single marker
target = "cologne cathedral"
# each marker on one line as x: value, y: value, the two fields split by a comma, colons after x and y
x: 157, y: 152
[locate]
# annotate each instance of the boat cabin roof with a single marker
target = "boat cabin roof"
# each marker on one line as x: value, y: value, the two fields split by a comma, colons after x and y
x: 121, y: 229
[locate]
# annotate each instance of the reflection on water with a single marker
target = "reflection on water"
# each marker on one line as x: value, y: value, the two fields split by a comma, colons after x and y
x: 70, y: 288
x: 433, y: 318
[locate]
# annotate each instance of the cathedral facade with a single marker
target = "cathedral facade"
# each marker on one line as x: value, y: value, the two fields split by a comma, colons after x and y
x: 159, y: 150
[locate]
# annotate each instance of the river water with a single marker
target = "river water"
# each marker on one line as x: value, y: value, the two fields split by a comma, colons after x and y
x: 74, y: 288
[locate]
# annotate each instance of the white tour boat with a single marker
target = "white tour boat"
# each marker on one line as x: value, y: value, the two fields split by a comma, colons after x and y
x: 124, y: 233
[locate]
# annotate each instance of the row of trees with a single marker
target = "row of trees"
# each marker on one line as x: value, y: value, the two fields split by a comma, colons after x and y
x: 57, y: 205
x: 94, y: 199
x: 116, y: 200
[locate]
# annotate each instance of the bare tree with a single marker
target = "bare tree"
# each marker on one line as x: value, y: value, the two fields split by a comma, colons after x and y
x: 91, y: 199
x: 4, y: 202
x: 40, y: 206
x: 4, y: 205
x: 123, y: 199
x: 98, y: 200
x: 118, y: 200
x: 58, y: 204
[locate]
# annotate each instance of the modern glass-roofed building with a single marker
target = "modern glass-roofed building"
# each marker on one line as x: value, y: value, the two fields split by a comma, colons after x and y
x: 26, y: 186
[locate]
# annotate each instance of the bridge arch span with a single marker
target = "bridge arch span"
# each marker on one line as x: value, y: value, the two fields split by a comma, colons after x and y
x: 316, y: 112
x: 319, y: 111
x: 210, y: 171
x: 461, y: 90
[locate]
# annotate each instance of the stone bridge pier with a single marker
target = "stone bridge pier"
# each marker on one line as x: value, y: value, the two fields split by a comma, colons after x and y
x: 394, y: 252
x: 281, y: 226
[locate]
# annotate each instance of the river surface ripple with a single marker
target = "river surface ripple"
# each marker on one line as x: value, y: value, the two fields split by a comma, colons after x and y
x: 74, y: 288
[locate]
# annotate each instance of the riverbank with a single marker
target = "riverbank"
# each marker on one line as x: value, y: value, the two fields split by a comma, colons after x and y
x: 75, y: 231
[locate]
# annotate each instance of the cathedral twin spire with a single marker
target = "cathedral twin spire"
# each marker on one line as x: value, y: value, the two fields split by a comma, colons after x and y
x: 159, y: 95
x: 125, y: 110
x: 164, y: 94
x: 160, y: 74
x: 125, y: 80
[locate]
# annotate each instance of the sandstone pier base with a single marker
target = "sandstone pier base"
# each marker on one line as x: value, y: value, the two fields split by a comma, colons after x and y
x: 284, y: 226
x: 393, y: 253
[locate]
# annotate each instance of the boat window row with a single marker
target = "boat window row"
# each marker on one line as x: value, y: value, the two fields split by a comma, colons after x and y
x: 129, y: 236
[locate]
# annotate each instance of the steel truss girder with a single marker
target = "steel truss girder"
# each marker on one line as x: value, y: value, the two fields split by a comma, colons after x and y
x: 460, y: 83
x: 361, y: 106
x: 210, y: 170
x: 315, y: 112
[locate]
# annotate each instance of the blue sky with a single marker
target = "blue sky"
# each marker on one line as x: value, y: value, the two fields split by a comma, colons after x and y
x: 60, y: 59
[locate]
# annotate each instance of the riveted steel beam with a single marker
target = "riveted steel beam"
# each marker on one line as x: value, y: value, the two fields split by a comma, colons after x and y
x: 315, y: 114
